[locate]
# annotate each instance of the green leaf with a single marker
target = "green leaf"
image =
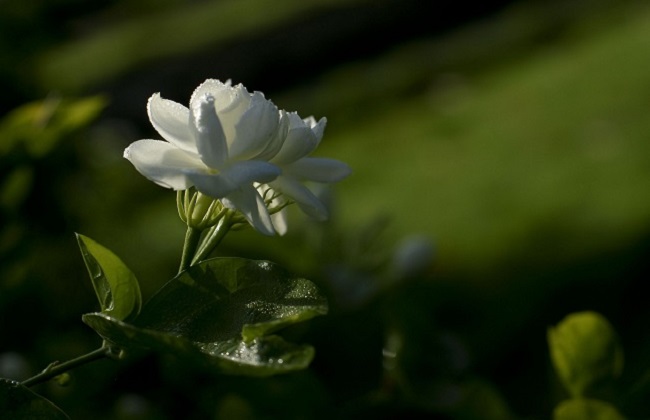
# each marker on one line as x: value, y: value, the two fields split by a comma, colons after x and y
x: 263, y: 356
x: 585, y: 409
x: 219, y: 312
x: 116, y: 287
x: 585, y: 352
x: 18, y: 402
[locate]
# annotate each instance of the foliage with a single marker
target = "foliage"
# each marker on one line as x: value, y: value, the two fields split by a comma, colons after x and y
x: 518, y: 143
x: 220, y: 313
x: 585, y: 352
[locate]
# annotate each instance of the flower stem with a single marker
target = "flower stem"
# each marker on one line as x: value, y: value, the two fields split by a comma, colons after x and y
x: 192, y: 237
x: 56, y: 369
x: 214, y: 237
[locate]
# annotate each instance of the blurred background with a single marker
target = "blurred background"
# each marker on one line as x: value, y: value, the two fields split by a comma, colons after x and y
x: 501, y: 181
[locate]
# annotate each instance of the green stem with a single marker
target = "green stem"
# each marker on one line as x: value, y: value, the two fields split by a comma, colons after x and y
x: 214, y: 237
x: 192, y: 237
x: 56, y: 369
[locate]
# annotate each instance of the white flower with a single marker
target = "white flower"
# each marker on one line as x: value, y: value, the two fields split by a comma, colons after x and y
x: 302, y: 138
x: 221, y: 145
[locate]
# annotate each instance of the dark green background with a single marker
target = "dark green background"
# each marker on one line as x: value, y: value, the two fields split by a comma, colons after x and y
x: 514, y: 136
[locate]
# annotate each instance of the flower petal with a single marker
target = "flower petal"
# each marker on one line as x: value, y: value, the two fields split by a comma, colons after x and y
x: 255, y: 128
x: 250, y: 171
x: 231, y: 104
x: 318, y: 128
x: 171, y: 121
x: 275, y: 144
x: 221, y: 184
x: 318, y: 169
x: 300, y: 141
x: 207, y: 129
x: 279, y: 220
x: 305, y: 199
x: 210, y: 86
x: 210, y: 184
x: 248, y: 201
x: 163, y: 163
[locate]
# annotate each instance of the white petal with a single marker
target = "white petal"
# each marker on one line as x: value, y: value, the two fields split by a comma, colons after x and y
x: 248, y: 201
x: 207, y: 129
x: 317, y: 128
x: 300, y: 141
x: 210, y: 86
x: 163, y: 163
x: 279, y: 220
x: 250, y: 171
x: 255, y: 128
x: 231, y: 104
x: 275, y: 144
x: 239, y: 174
x: 305, y: 199
x: 318, y: 169
x: 171, y: 120
x: 213, y: 185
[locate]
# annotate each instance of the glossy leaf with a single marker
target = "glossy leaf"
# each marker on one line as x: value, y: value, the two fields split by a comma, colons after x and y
x: 19, y: 403
x: 585, y: 352
x: 220, y: 312
x: 116, y: 287
x: 584, y: 409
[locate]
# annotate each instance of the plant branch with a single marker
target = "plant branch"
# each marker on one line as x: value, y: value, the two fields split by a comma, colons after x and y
x: 214, y: 237
x: 56, y: 368
x: 192, y: 237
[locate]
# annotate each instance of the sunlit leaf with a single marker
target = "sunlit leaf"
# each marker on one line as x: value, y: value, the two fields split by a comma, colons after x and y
x: 19, y: 403
x: 585, y: 352
x: 219, y: 313
x: 116, y: 287
x: 584, y: 409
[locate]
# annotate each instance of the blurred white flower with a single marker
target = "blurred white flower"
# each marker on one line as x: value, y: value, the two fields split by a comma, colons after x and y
x: 303, y: 136
x: 221, y: 145
x: 413, y: 256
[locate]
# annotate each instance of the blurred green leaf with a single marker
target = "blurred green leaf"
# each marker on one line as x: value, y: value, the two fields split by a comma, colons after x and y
x: 19, y: 403
x: 585, y: 352
x: 116, y: 286
x: 219, y: 312
x: 584, y: 409
x: 40, y: 125
x: 15, y: 187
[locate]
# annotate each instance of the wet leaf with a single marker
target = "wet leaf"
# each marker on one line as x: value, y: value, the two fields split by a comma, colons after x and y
x: 220, y: 312
x: 116, y: 287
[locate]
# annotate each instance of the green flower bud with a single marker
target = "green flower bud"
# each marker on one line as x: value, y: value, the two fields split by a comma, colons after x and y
x: 198, y: 210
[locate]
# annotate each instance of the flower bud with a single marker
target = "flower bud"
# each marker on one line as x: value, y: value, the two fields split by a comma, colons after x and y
x: 198, y: 210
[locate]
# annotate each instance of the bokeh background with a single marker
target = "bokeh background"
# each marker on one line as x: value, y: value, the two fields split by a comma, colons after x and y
x: 501, y: 161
